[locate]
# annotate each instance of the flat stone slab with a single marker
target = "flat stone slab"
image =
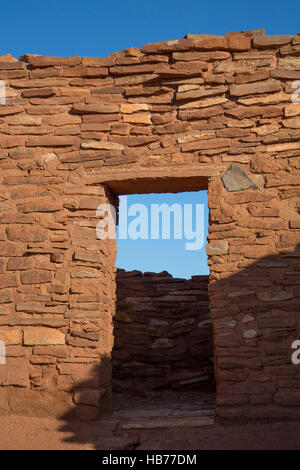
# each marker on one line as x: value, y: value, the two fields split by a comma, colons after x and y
x: 167, y: 415
x: 235, y: 179
x: 189, y: 422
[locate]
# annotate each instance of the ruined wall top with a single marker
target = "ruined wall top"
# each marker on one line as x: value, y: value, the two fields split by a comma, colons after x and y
x: 141, y: 107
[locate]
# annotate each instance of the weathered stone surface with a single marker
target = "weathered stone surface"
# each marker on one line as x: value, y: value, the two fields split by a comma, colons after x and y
x: 45, y: 61
x: 285, y: 74
x: 11, y: 335
x: 50, y: 141
x: 10, y: 249
x: 202, y: 144
x: 36, y: 308
x: 35, y: 276
x: 289, y: 63
x: 15, y: 264
x: 217, y: 247
x: 292, y: 110
x: 41, y: 205
x: 215, y: 43
x: 9, y: 110
x: 56, y: 350
x: 102, y: 145
x: 15, y: 373
x: 96, y: 108
x: 168, y: 46
x: 43, y: 336
x: 271, y: 41
x: 5, y: 297
x: 276, y: 296
x: 235, y: 179
x: 268, y: 86
x: 88, y: 397
x: 26, y: 233
x: 8, y: 280
x: 239, y: 42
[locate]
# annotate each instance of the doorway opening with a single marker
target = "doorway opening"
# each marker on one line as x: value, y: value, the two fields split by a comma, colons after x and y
x: 162, y: 360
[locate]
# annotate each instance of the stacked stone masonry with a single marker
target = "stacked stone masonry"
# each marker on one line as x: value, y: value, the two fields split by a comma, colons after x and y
x: 163, y: 332
x: 218, y: 105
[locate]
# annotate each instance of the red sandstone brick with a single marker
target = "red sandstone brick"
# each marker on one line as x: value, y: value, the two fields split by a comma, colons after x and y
x: 218, y: 43
x: 8, y: 280
x: 35, y: 276
x: 168, y: 46
x: 8, y: 110
x: 239, y: 42
x: 50, y: 141
x: 45, y: 61
x: 267, y: 86
x: 12, y: 74
x: 271, y: 41
x: 44, y: 92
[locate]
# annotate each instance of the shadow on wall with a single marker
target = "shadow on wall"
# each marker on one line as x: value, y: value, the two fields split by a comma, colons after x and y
x: 162, y: 333
x: 254, y: 328
x: 88, y: 422
x: 255, y: 324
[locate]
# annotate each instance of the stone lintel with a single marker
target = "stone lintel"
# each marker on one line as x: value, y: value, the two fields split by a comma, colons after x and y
x: 157, y: 180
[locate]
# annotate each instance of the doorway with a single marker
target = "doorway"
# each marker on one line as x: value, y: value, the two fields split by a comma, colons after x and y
x: 162, y: 360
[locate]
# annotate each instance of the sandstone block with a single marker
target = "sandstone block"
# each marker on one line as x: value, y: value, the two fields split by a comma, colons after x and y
x: 9, y: 110
x: 271, y: 41
x: 275, y: 296
x: 60, y: 351
x: 8, y: 280
x: 5, y: 297
x: 35, y: 276
x: 168, y: 46
x: 26, y: 233
x: 19, y: 263
x: 43, y: 336
x: 239, y: 42
x: 11, y: 335
x: 292, y: 110
x: 95, y: 108
x: 46, y: 61
x: 39, y: 92
x: 215, y: 43
x: 285, y: 74
x: 88, y: 397
x: 50, y: 141
x: 102, y: 145
x: 15, y: 373
x: 289, y: 63
x: 268, y: 86
x: 41, y: 205
x: 235, y: 179
x: 217, y: 247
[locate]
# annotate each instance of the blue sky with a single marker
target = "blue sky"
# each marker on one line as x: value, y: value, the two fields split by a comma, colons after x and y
x: 171, y: 254
x: 98, y: 28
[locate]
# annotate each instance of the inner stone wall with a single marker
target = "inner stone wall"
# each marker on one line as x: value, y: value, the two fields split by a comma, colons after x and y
x: 220, y: 107
x: 163, y: 332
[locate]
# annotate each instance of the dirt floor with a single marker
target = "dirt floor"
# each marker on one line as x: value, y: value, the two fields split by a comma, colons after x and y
x: 29, y: 433
x: 129, y: 400
x: 20, y: 432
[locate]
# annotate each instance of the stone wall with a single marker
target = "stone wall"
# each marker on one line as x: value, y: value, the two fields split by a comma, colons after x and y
x: 204, y: 112
x: 57, y: 301
x: 163, y: 331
